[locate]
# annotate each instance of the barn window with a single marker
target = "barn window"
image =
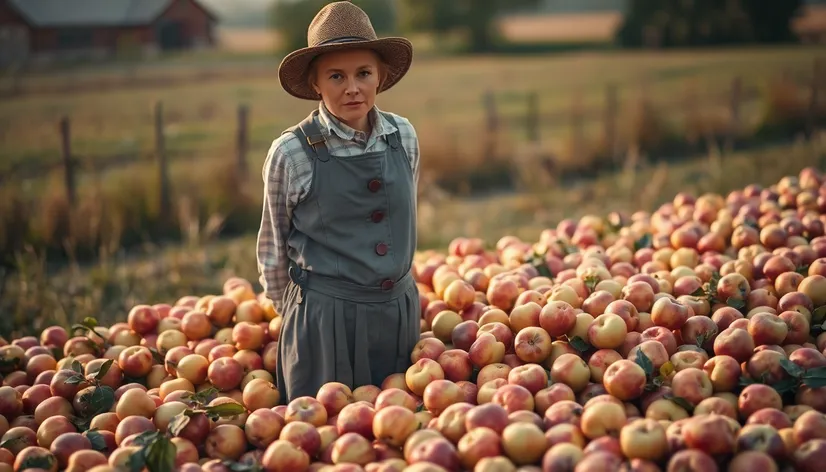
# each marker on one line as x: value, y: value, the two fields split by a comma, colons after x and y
x: 74, y: 38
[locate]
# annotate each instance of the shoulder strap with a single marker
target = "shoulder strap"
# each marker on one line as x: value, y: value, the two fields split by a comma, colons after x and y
x: 395, y: 139
x: 311, y: 138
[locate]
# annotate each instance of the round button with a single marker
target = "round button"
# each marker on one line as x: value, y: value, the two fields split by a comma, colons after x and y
x: 377, y: 216
x: 381, y: 249
x: 387, y: 284
x: 374, y: 185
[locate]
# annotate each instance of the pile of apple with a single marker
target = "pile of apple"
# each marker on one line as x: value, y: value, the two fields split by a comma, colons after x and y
x: 687, y: 339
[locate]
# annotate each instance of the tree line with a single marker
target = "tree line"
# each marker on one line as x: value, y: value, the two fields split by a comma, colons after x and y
x: 646, y: 23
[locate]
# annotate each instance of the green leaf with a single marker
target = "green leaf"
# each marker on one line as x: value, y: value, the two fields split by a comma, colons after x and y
x: 785, y: 386
x: 736, y: 303
x: 157, y: 356
x: 645, y: 241
x: 699, y: 292
x: 45, y: 462
x: 819, y: 315
x: 104, y: 369
x: 579, y: 344
x: 82, y: 424
x: 667, y: 369
x: 136, y: 461
x: 146, y: 438
x: 97, y: 440
x: 711, y: 287
x: 201, y: 398
x: 791, y: 368
x: 75, y: 379
x: 226, y: 410
x: 704, y: 337
x: 9, y: 443
x: 160, y: 455
x: 803, y: 270
x: 814, y: 382
x: 644, y: 362
x: 815, y: 378
x: 178, y: 423
x: 77, y: 367
x: 102, y: 399
x: 680, y: 401
x: 591, y: 282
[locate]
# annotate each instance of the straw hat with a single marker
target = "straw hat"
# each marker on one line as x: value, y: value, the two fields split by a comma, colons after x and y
x: 340, y: 26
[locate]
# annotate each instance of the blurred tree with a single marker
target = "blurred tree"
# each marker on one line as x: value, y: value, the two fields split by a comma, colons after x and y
x: 474, y: 17
x: 290, y: 18
x: 682, y: 23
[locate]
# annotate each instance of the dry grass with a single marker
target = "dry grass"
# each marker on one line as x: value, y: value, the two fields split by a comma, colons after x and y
x: 38, y: 294
x: 247, y: 39
x: 596, y: 27
x: 120, y: 208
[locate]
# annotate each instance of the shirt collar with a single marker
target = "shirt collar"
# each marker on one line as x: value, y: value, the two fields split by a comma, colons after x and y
x: 332, y: 125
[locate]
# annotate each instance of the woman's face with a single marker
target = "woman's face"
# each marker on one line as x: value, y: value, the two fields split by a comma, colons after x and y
x: 348, y: 82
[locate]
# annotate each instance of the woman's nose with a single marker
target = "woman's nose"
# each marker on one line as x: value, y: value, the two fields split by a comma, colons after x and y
x: 352, y: 87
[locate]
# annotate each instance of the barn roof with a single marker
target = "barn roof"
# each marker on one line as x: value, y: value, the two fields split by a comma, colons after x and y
x: 91, y: 12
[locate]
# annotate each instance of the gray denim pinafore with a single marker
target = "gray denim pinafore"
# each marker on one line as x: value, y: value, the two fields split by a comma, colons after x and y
x: 351, y: 311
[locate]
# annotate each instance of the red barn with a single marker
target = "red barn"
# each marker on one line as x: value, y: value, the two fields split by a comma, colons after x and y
x: 47, y: 30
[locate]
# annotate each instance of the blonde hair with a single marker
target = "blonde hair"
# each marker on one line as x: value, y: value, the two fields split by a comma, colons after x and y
x: 312, y: 70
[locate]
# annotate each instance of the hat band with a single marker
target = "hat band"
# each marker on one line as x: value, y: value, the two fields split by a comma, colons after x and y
x: 346, y: 39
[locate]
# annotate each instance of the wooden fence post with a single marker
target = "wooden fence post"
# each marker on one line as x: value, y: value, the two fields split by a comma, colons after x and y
x: 492, y: 123
x: 160, y: 155
x: 532, y: 118
x: 577, y: 129
x: 734, y: 112
x: 818, y: 75
x: 68, y: 163
x: 242, y: 141
x: 610, y: 122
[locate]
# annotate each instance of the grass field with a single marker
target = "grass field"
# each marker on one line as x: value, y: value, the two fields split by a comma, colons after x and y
x: 119, y: 205
x: 39, y: 293
x: 441, y: 96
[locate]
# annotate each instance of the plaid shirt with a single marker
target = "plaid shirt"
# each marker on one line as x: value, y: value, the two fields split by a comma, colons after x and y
x: 287, y: 177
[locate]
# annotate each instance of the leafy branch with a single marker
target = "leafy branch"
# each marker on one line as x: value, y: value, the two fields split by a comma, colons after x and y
x: 99, y: 400
x: 704, y: 337
x: 654, y: 379
x: 680, y: 402
x: 202, y: 398
x: 157, y: 453
x: 579, y: 344
x: 798, y: 376
x: 591, y: 283
x: 88, y: 328
x: 214, y: 412
x: 537, y: 260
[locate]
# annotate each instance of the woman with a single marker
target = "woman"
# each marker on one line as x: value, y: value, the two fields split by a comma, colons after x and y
x: 338, y: 229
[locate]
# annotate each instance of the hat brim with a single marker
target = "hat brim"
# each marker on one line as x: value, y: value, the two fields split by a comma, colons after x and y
x: 397, y: 53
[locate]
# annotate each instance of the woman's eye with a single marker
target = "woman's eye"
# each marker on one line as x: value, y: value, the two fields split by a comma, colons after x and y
x: 335, y: 76
x: 366, y: 73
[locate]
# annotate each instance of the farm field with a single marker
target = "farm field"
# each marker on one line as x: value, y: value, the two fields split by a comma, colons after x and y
x: 681, y: 327
x: 442, y: 96
x: 42, y: 292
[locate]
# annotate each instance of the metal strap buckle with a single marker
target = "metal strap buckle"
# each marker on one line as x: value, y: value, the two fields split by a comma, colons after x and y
x: 313, y: 140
